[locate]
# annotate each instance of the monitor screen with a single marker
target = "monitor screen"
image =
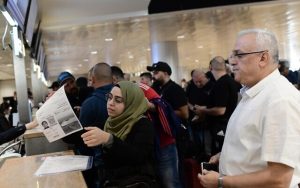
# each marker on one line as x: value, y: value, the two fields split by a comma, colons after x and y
x: 36, y: 40
x: 42, y: 59
x: 45, y: 71
x: 40, y: 54
x: 31, y: 23
x: 17, y: 10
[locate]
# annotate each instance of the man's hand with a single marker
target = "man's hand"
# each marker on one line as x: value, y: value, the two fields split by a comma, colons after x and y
x: 215, y: 159
x: 209, y: 179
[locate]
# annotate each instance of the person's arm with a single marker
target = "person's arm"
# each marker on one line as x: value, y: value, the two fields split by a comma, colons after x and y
x: 136, y: 149
x: 275, y: 175
x: 215, y: 111
x: 95, y: 136
x: 14, y: 132
x: 182, y: 112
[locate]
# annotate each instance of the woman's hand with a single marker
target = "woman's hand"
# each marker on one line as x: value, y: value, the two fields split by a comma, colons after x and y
x: 94, y: 136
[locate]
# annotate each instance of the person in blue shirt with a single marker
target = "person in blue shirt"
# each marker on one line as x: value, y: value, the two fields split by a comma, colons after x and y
x: 94, y: 112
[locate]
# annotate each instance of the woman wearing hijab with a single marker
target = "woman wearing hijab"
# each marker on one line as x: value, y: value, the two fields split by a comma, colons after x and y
x: 127, y: 139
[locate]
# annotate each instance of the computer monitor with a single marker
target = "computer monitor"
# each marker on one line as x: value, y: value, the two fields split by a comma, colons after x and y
x: 31, y: 22
x: 18, y: 10
x: 36, y: 42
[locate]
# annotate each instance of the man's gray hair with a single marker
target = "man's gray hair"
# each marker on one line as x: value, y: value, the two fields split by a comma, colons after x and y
x: 265, y: 40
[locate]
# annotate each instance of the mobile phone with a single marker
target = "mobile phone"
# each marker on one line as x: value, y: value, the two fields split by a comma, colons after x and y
x: 208, y: 166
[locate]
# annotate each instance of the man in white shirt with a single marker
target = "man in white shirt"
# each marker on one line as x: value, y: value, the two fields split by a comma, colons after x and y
x: 262, y: 142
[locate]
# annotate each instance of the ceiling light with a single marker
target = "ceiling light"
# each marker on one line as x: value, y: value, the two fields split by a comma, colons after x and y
x: 196, y: 60
x: 85, y: 60
x: 200, y: 46
x: 118, y: 62
x: 130, y: 57
x: 108, y: 39
x: 9, y: 65
x: 79, y: 65
x: 148, y: 49
x: 180, y: 37
x: 94, y: 52
x: 1, y: 57
x: 68, y: 70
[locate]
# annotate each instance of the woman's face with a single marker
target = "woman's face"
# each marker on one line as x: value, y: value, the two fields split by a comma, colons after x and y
x: 115, y: 102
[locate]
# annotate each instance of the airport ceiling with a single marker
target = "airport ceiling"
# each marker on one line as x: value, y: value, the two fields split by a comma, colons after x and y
x: 77, y: 34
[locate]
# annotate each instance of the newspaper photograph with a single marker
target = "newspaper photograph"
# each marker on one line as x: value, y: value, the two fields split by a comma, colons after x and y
x: 57, y: 117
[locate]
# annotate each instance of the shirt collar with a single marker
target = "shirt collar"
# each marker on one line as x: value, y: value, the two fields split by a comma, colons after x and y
x: 254, y: 90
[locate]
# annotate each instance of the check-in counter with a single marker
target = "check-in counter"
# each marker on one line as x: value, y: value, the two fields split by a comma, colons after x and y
x: 19, y: 172
x: 36, y: 143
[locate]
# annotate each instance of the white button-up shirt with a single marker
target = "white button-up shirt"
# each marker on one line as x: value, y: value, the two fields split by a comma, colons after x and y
x: 265, y: 127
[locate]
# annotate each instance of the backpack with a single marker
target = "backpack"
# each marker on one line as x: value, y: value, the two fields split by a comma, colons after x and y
x: 170, y: 122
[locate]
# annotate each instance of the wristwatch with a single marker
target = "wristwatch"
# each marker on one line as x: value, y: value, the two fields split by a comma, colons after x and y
x: 220, y: 182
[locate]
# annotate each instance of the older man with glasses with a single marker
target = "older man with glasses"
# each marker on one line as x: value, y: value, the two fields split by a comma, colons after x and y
x: 261, y: 147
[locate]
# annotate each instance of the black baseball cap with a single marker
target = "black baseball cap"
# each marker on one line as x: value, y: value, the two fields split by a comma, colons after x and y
x: 160, y: 66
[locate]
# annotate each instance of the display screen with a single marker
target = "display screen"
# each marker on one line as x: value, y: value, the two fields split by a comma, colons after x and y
x: 18, y: 10
x: 36, y: 40
x: 31, y: 23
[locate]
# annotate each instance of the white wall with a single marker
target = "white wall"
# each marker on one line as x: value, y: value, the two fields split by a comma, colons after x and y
x: 8, y: 87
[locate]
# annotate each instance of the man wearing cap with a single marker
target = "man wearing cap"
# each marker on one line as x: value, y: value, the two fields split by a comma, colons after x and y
x: 68, y: 80
x: 168, y: 89
x: 175, y: 96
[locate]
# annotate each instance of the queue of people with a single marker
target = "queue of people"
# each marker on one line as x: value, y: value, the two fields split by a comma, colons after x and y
x: 140, y: 134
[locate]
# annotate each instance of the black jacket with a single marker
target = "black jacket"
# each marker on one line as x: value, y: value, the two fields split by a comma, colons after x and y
x: 11, y: 134
x: 133, y: 156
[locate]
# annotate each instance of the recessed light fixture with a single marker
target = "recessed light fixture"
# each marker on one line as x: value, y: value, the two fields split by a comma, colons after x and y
x: 130, y: 56
x: 68, y: 70
x: 1, y: 57
x: 196, y: 60
x: 85, y: 60
x: 200, y: 46
x: 180, y: 37
x: 118, y: 62
x: 79, y: 65
x: 108, y: 39
x: 148, y: 49
x: 9, y: 65
x: 94, y: 52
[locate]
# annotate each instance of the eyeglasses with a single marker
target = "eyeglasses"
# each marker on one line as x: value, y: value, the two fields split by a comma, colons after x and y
x: 117, y: 99
x: 236, y: 54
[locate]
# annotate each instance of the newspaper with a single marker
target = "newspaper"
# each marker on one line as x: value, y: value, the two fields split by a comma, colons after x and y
x: 66, y: 163
x: 57, y: 117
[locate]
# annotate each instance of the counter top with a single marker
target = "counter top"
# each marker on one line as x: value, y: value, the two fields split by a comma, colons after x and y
x: 19, y: 172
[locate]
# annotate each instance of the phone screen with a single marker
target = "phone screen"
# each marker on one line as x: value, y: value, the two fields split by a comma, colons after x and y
x: 208, y: 166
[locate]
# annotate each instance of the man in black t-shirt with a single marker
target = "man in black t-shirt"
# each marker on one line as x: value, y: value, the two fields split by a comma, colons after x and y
x: 197, y: 93
x: 221, y: 104
x: 175, y: 96
x: 168, y: 89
